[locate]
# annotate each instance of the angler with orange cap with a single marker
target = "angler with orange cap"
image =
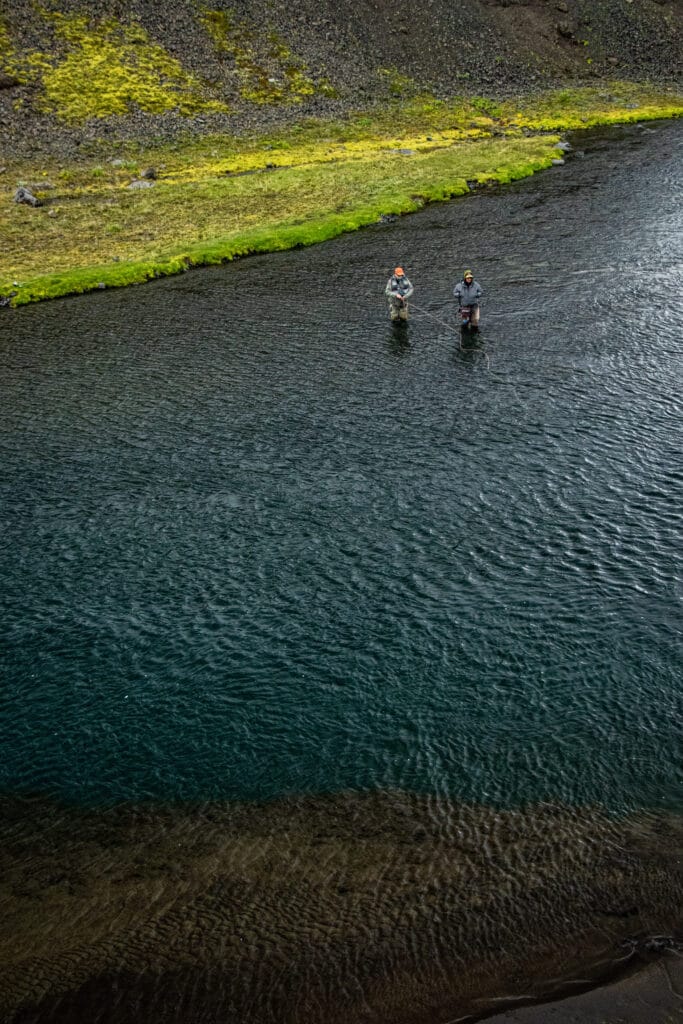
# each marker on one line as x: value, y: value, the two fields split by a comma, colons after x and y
x: 398, y: 291
x: 468, y: 293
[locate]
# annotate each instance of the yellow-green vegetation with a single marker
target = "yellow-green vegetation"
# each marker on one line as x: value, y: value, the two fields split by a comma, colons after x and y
x: 217, y: 198
x: 6, y: 51
x: 399, y: 85
x: 107, y: 68
x: 267, y: 70
x: 610, y: 103
x: 8, y: 57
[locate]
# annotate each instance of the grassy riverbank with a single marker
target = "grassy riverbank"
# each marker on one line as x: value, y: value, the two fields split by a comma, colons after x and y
x: 218, y: 198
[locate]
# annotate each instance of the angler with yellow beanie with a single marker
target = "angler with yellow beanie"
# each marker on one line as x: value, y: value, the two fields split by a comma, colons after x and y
x: 468, y: 293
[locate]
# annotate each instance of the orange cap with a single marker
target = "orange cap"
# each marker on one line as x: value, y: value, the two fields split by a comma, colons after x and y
x: 399, y: 272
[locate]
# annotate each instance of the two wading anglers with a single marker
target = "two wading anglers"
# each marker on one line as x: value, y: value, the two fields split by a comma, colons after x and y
x: 467, y: 292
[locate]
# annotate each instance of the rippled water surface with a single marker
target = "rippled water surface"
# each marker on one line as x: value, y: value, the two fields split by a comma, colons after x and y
x: 329, y: 654
x: 256, y: 544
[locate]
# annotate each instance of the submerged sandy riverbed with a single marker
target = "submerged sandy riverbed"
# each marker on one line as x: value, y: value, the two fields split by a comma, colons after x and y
x: 386, y: 907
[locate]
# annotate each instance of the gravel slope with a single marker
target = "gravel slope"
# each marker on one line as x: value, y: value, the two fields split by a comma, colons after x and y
x: 446, y: 46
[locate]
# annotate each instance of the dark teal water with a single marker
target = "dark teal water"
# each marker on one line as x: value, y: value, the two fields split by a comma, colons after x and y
x: 255, y: 544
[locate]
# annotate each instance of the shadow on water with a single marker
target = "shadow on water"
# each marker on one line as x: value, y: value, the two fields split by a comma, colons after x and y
x: 398, y: 338
x: 471, y: 350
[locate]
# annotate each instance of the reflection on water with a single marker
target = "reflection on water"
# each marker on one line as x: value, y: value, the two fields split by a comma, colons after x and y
x: 378, y: 907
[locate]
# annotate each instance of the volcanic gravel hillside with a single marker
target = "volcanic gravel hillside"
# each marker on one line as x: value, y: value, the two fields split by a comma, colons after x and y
x: 363, y: 51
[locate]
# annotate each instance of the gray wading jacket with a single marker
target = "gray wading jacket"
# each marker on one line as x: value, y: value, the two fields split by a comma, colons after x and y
x: 398, y: 286
x: 467, y: 295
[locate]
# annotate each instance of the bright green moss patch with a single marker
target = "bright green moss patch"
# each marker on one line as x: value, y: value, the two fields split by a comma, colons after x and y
x: 266, y: 69
x: 108, y: 68
x: 218, y: 198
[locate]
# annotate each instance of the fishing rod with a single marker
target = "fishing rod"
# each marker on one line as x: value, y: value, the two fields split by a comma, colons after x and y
x: 420, y: 309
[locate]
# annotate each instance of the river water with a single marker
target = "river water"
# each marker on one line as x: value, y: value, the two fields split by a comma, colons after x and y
x: 259, y: 547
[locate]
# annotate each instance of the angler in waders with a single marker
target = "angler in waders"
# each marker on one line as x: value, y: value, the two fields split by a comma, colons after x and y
x: 398, y: 291
x: 468, y: 293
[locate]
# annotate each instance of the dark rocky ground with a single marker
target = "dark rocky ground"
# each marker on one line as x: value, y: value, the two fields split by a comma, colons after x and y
x: 493, y: 47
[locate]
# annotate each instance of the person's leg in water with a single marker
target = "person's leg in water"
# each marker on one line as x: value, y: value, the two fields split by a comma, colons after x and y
x: 474, y: 318
x: 398, y: 310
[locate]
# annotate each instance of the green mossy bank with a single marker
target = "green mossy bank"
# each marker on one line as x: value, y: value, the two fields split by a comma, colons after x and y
x: 218, y: 198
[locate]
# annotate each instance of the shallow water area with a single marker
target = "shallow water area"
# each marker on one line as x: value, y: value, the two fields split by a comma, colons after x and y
x: 364, y: 907
x: 259, y: 544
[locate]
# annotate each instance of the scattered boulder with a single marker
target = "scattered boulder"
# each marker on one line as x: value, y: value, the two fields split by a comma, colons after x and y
x: 118, y: 162
x: 564, y: 146
x: 558, y: 162
x: 24, y: 195
x: 136, y: 184
x: 388, y: 218
x: 149, y: 173
x: 565, y: 30
x: 564, y: 8
x: 8, y: 81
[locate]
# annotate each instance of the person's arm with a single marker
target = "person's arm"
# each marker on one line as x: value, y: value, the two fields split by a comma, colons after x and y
x: 389, y: 291
x: 406, y: 295
x: 478, y: 293
x: 457, y: 291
